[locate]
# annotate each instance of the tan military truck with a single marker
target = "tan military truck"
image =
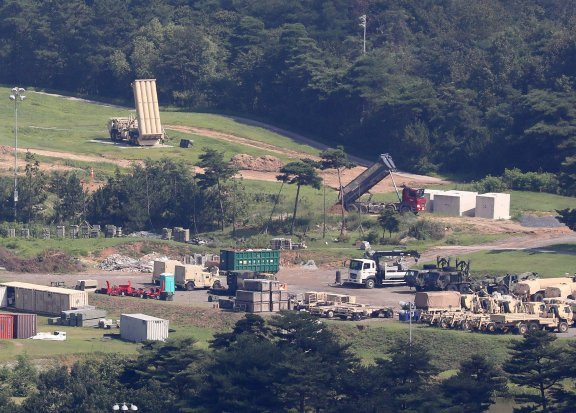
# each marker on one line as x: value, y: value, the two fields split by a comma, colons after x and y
x: 537, y: 316
x: 191, y: 277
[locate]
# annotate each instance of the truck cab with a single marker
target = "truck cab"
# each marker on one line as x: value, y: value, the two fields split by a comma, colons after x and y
x: 414, y: 198
x: 369, y: 273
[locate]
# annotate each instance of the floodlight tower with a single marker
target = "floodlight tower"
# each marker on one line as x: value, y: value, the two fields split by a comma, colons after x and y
x: 17, y: 96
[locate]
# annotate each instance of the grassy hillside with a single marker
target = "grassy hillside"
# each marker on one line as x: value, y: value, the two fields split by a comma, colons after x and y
x: 70, y: 125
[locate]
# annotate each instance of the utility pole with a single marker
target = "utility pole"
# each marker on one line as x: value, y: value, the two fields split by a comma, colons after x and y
x: 363, y: 25
x: 17, y: 96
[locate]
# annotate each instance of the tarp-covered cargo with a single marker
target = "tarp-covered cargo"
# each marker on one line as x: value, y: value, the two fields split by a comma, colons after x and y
x: 437, y: 299
x: 559, y: 290
x: 530, y: 287
x: 162, y: 267
x: 42, y: 299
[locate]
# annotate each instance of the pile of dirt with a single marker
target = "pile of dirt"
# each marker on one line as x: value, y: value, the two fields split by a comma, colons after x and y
x: 266, y: 163
x: 49, y: 261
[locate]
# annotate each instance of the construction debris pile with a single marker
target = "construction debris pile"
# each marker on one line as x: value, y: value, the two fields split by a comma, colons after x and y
x: 345, y: 307
x: 266, y: 163
x: 117, y: 262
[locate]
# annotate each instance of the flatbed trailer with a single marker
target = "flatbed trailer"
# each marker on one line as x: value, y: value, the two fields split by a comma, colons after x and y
x: 362, y: 311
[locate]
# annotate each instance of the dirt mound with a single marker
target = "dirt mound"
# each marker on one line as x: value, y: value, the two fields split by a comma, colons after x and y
x: 49, y: 261
x: 266, y: 163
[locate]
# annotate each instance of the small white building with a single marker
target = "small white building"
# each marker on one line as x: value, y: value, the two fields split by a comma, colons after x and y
x: 455, y: 203
x: 142, y: 327
x: 429, y: 196
x: 493, y: 205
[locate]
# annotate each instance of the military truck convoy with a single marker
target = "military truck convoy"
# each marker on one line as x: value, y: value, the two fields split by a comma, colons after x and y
x: 496, y: 313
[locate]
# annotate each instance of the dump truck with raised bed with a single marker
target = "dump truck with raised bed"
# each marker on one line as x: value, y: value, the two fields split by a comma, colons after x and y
x: 381, y: 268
x: 537, y: 316
x: 191, y: 277
x: 411, y: 200
x: 145, y: 129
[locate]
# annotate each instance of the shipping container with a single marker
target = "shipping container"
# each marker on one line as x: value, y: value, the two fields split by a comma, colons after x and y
x: 161, y: 267
x: 42, y: 299
x: 6, y: 326
x: 253, y: 260
x: 142, y: 327
x: 274, y: 296
x: 25, y: 325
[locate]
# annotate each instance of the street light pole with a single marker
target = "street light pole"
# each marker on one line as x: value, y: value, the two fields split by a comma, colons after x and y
x: 363, y: 24
x: 17, y: 96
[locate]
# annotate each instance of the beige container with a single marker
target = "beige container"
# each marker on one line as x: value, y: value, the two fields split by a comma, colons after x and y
x: 45, y: 300
x: 161, y: 267
x: 493, y: 206
x: 437, y: 300
x: 429, y: 195
x: 558, y: 291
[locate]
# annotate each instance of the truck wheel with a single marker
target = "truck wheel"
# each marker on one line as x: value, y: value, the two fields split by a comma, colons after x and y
x: 444, y: 324
x: 563, y: 327
x: 465, y: 325
x: 330, y: 314
x: 490, y: 328
x: 356, y: 317
x: 369, y: 283
x: 538, y: 297
x: 210, y: 298
x: 533, y: 326
x: 190, y: 285
x: 216, y: 285
x: 452, y: 287
x: 521, y: 328
x: 405, y: 208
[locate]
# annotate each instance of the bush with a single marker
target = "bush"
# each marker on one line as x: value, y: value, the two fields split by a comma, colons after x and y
x: 490, y: 184
x: 531, y: 181
x: 427, y: 230
x: 372, y: 237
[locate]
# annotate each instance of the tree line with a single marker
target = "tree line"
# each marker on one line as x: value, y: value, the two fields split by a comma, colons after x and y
x: 294, y: 363
x: 455, y: 86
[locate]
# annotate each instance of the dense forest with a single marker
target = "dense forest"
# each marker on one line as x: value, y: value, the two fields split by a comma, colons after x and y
x: 466, y: 87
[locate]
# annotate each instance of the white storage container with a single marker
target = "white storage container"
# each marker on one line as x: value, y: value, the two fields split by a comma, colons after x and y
x: 429, y: 196
x: 3, y: 297
x: 455, y: 203
x: 493, y: 206
x: 142, y: 327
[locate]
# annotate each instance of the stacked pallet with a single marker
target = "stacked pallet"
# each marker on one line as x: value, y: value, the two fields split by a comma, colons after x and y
x: 83, y: 317
x: 261, y: 296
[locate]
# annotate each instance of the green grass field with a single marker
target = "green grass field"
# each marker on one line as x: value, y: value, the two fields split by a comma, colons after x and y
x: 70, y: 125
x: 86, y: 340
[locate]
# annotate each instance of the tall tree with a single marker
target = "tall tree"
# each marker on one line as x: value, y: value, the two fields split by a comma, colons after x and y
x: 299, y: 173
x: 337, y: 159
x: 536, y: 364
x: 388, y: 220
x: 473, y: 388
x: 32, y: 193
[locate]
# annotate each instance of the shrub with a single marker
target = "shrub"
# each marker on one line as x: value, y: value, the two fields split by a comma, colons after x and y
x: 426, y: 230
x: 531, y: 181
x: 490, y: 184
x: 372, y: 237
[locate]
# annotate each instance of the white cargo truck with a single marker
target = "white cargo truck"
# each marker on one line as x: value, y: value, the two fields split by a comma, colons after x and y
x: 381, y: 268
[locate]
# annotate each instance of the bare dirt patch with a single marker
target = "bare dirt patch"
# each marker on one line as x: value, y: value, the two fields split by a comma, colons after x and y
x: 48, y: 261
x: 267, y: 163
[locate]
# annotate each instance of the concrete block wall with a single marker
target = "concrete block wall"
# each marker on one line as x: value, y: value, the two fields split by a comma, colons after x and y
x: 493, y: 206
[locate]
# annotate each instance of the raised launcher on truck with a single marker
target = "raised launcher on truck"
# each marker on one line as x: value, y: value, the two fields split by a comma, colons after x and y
x: 441, y: 277
x: 145, y: 129
x: 411, y: 200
